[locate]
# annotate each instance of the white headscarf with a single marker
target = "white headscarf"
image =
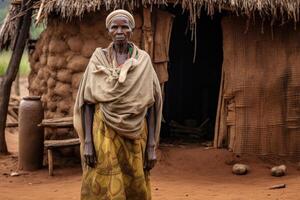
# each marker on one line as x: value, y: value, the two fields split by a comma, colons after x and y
x: 120, y: 13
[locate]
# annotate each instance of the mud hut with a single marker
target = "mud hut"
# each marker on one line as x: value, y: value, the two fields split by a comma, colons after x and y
x: 234, y: 64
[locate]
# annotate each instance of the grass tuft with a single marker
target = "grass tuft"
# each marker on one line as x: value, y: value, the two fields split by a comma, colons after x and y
x: 4, y: 61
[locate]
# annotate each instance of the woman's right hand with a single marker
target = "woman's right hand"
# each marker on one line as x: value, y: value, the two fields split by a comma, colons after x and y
x: 89, y: 154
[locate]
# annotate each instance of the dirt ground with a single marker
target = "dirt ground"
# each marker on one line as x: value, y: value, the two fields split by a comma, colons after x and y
x: 183, y: 172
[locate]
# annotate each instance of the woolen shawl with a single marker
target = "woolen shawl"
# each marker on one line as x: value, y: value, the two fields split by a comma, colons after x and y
x: 124, y: 93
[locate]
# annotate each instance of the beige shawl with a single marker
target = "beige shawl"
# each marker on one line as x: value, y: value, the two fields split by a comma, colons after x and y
x: 124, y: 93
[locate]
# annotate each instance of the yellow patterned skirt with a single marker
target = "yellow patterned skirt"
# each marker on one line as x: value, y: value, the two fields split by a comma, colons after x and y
x: 119, y: 173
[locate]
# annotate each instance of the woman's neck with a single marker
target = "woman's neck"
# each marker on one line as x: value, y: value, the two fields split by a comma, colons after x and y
x: 121, y: 48
x: 121, y: 53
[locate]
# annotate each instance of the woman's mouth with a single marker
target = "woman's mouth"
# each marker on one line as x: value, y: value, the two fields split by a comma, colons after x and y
x: 120, y: 37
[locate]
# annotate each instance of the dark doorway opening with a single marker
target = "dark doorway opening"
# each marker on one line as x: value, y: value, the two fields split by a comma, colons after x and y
x: 191, y: 94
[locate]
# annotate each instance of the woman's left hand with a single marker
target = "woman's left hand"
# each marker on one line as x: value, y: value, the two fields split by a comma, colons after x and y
x: 151, y: 158
x: 89, y: 154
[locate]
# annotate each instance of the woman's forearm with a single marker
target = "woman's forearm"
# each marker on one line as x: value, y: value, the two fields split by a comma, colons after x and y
x: 88, y: 117
x: 151, y: 127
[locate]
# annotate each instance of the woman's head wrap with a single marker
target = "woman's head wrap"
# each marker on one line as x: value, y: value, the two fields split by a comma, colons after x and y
x: 120, y: 13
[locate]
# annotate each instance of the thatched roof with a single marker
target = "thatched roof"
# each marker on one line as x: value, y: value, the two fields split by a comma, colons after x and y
x: 275, y: 9
x: 9, y: 27
x: 71, y: 8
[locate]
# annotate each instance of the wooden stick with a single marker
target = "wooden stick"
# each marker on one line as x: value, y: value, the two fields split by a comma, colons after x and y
x: 15, y: 98
x: 61, y: 143
x: 38, y: 17
x: 50, y: 162
x: 13, y: 103
x: 12, y: 113
x: 63, y: 119
x: 22, y: 35
x: 58, y: 122
x: 16, y: 2
x: 189, y: 131
x: 193, y: 129
x: 57, y: 125
x: 12, y: 124
x: 279, y: 186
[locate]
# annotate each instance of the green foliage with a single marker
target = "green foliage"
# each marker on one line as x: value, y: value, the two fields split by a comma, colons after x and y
x: 2, y: 15
x: 5, y: 56
x: 4, y: 61
x: 3, y: 9
x: 34, y: 31
x: 3, y: 3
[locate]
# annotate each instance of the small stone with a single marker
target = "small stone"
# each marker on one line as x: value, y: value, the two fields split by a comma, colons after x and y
x: 14, y: 174
x: 240, y: 169
x: 5, y: 174
x: 278, y: 170
x: 230, y: 161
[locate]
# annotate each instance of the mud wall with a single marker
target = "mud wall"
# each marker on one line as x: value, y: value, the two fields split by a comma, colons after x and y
x: 60, y: 58
x: 259, y: 100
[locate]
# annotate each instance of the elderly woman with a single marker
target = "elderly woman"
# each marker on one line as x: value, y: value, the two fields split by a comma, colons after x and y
x: 117, y: 116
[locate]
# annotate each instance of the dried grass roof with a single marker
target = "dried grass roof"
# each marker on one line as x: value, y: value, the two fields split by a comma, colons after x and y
x: 9, y: 28
x: 275, y: 9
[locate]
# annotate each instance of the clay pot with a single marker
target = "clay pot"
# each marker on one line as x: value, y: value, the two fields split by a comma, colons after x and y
x: 31, y: 136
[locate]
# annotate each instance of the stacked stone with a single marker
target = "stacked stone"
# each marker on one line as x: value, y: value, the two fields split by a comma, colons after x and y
x: 60, y: 58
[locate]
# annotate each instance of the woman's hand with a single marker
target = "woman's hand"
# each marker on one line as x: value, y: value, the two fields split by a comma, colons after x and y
x: 89, y: 154
x: 151, y: 158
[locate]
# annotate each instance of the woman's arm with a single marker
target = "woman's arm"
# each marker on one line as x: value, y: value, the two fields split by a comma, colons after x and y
x: 151, y: 158
x: 89, y: 150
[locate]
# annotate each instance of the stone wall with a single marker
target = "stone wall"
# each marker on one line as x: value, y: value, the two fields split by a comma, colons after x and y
x: 60, y: 58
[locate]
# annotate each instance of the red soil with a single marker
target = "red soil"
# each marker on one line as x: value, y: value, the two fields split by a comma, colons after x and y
x: 183, y: 172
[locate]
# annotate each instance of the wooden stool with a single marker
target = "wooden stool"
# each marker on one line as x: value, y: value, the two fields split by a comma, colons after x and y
x: 52, y: 144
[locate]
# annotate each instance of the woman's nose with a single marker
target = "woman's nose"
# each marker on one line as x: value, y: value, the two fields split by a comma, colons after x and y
x: 119, y: 30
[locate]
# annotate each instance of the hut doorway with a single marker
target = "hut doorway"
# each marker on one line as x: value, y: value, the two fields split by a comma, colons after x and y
x: 191, y: 93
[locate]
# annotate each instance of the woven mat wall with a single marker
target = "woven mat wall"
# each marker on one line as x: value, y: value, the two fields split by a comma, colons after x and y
x: 259, y: 105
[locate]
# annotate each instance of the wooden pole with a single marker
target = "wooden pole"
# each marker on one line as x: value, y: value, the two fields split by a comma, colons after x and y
x: 147, y: 32
x: 13, y: 67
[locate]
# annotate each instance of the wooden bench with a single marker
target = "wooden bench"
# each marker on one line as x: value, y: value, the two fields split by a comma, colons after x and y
x: 52, y: 144
x: 65, y: 122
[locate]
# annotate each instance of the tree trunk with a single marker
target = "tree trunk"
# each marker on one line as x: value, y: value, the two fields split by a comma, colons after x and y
x: 13, y: 67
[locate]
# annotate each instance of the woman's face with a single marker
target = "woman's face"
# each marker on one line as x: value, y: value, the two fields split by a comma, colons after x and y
x: 120, y: 31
